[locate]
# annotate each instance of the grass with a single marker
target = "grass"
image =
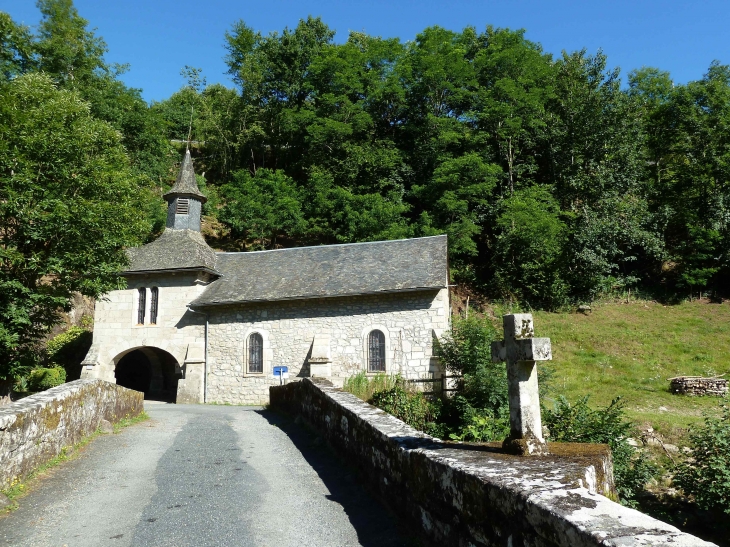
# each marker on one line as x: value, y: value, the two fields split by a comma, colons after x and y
x: 364, y: 387
x: 632, y: 350
x: 19, y: 488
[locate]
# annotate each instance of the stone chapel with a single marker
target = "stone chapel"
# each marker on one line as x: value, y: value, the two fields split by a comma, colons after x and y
x: 199, y: 326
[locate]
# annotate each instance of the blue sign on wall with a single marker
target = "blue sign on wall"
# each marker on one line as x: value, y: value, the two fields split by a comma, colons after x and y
x: 281, y: 372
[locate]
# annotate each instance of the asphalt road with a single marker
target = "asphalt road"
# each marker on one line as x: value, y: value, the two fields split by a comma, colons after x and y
x: 202, y: 476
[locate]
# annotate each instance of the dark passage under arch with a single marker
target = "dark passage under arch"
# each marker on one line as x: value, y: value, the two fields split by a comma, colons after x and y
x: 151, y: 371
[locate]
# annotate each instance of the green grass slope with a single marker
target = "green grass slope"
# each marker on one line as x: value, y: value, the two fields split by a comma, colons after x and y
x: 632, y: 350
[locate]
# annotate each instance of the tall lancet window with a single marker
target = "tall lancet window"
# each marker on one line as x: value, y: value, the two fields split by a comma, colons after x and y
x: 255, y: 353
x: 141, y: 304
x: 376, y: 351
x: 154, y: 298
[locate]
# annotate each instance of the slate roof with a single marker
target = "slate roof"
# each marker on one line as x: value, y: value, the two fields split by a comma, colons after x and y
x: 185, y: 185
x: 328, y: 270
x: 173, y: 250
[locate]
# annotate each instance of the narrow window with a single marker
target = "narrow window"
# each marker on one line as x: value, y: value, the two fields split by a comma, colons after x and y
x: 182, y: 207
x: 376, y: 351
x: 141, y: 305
x: 255, y: 353
x: 154, y: 296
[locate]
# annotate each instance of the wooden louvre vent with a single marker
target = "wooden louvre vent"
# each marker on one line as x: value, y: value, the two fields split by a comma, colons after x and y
x: 183, y: 206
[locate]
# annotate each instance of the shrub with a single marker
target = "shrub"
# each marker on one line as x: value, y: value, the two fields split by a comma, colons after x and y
x: 41, y: 379
x: 68, y: 349
x: 706, y: 476
x: 410, y: 406
x: 484, y: 427
x: 581, y: 424
x: 467, y: 352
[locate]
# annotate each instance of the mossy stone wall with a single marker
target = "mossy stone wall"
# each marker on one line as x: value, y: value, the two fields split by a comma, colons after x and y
x: 36, y: 429
x: 475, y: 495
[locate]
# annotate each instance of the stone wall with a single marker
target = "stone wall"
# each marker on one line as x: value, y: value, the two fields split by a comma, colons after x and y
x: 697, y: 385
x: 472, y: 495
x: 178, y: 331
x: 36, y: 429
x: 409, y: 320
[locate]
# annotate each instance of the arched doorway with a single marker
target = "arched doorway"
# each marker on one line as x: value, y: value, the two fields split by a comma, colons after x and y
x: 151, y: 371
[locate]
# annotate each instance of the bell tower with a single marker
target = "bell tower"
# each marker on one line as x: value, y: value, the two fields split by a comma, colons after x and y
x: 184, y: 200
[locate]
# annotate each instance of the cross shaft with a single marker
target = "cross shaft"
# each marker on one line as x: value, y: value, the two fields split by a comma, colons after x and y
x: 521, y: 351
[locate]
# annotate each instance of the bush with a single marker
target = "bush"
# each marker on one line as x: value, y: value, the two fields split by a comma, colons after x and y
x: 68, y: 349
x: 410, y: 406
x: 706, y: 476
x: 467, y: 352
x: 41, y: 379
x: 484, y: 427
x: 579, y: 423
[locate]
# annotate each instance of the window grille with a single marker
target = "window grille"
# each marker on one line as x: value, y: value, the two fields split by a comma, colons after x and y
x: 183, y: 206
x: 376, y: 351
x: 141, y: 305
x: 154, y: 297
x: 255, y: 353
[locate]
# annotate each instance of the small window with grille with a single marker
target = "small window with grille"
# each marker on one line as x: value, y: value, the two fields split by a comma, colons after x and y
x: 141, y: 304
x: 376, y: 351
x: 183, y: 206
x: 255, y: 354
x: 154, y: 298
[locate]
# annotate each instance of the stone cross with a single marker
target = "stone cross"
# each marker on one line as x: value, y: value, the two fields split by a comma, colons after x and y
x: 521, y: 351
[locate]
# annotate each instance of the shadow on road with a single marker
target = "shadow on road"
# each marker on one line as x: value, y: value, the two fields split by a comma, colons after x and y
x: 376, y: 526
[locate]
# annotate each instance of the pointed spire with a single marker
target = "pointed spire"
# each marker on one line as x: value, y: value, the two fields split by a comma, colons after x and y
x: 185, y: 185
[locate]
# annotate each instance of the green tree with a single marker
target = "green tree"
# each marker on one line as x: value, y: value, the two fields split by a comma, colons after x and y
x: 458, y: 192
x: 530, y: 248
x: 690, y: 149
x: 68, y: 206
x: 263, y: 209
x: 71, y: 54
x: 16, y: 48
x: 515, y: 84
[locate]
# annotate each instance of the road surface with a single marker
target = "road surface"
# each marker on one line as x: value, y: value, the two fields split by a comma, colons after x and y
x: 202, y: 476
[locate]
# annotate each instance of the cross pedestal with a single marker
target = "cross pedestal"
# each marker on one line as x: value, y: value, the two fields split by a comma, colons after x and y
x: 521, y: 351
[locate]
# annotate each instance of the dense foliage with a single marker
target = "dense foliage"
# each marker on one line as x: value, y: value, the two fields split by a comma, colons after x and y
x: 80, y: 156
x: 553, y: 183
x: 706, y: 475
x: 67, y: 209
x: 68, y: 349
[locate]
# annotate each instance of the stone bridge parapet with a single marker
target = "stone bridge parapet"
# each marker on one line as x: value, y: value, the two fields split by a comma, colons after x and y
x: 37, y: 428
x: 475, y: 495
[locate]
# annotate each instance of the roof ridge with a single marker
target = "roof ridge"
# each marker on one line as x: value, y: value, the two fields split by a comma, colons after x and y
x: 330, y: 245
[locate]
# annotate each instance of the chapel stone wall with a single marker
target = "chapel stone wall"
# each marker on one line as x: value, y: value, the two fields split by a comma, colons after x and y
x: 177, y: 331
x: 409, y: 320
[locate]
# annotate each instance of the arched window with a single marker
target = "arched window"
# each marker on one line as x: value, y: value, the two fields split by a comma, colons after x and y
x: 255, y: 353
x: 154, y: 298
x: 141, y: 304
x: 376, y: 351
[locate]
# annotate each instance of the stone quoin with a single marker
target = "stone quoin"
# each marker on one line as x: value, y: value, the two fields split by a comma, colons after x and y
x: 195, y: 325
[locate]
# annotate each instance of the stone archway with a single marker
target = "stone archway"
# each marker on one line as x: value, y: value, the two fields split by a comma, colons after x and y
x: 150, y: 370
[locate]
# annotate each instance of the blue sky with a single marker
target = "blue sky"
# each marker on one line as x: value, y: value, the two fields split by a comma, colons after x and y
x: 158, y: 37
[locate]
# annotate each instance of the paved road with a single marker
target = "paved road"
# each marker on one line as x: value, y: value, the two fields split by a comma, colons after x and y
x: 202, y: 476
